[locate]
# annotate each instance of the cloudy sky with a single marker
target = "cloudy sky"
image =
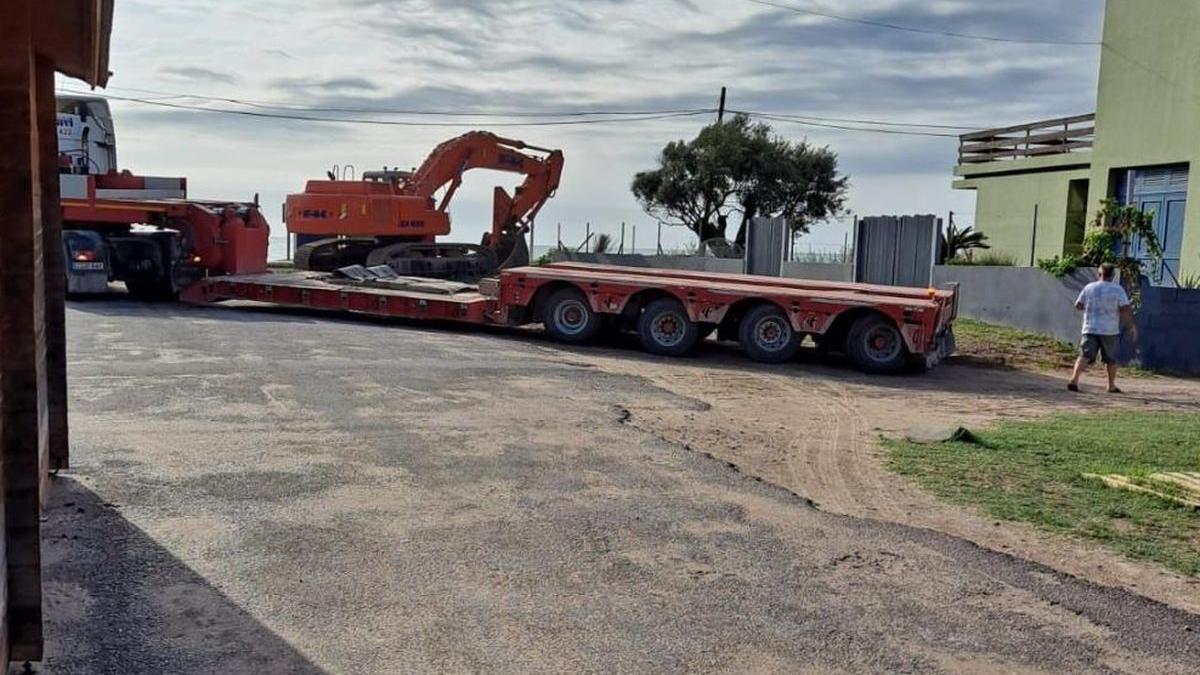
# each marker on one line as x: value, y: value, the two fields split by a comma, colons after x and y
x: 478, y: 56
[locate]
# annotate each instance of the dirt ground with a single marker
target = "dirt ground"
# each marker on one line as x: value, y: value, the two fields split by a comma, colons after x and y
x: 266, y: 492
x: 819, y: 438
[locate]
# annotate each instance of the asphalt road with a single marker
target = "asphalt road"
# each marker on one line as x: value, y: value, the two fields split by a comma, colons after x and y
x: 258, y: 492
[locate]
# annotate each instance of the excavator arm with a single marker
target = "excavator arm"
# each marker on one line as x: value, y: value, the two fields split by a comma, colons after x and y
x: 511, y: 215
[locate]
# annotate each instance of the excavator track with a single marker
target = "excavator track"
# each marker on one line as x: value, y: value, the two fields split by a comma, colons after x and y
x: 436, y: 261
x: 327, y: 255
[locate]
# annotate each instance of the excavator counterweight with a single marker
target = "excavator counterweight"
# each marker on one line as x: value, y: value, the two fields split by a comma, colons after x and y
x: 394, y: 218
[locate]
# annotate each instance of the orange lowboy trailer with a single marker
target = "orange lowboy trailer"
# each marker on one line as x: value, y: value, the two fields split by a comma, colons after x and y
x: 882, y: 329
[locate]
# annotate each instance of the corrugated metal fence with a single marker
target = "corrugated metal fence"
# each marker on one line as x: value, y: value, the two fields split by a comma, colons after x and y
x: 897, y: 250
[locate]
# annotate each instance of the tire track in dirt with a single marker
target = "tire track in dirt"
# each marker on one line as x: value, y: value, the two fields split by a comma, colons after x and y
x: 811, y: 430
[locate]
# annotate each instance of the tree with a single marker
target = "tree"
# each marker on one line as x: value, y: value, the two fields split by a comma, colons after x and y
x: 963, y: 241
x: 741, y: 167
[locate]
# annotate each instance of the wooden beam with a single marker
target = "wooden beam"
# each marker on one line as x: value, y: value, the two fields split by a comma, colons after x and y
x: 22, y: 333
x: 74, y: 34
x: 55, y: 278
x: 1036, y: 139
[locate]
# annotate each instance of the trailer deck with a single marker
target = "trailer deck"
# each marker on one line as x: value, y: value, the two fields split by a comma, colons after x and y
x: 880, y: 327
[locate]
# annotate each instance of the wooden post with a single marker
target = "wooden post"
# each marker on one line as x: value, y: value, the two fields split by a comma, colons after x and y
x: 658, y: 245
x: 23, y: 393
x: 633, y: 241
x: 55, y: 278
x: 621, y: 249
x: 1033, y: 243
x: 587, y: 238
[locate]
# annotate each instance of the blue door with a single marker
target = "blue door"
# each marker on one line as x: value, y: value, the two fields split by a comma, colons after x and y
x: 1163, y: 191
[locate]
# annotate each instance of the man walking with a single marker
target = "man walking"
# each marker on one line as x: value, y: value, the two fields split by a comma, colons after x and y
x: 1105, y: 307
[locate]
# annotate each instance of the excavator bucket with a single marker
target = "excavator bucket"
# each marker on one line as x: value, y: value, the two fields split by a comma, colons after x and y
x: 518, y: 255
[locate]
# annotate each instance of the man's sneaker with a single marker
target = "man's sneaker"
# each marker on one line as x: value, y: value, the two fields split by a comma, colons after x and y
x: 1073, y: 387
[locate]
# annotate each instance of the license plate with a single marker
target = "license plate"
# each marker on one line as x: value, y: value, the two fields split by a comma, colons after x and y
x: 87, y: 266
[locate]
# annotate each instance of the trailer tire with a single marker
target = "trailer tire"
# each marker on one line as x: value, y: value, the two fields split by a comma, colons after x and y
x: 767, y: 335
x: 876, y: 346
x: 569, y: 318
x: 666, y: 330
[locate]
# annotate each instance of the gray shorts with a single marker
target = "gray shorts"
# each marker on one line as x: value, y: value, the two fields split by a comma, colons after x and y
x: 1104, y: 346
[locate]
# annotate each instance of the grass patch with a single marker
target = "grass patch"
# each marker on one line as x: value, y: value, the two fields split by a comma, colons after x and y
x: 987, y: 344
x: 1032, y: 472
x: 1002, y: 346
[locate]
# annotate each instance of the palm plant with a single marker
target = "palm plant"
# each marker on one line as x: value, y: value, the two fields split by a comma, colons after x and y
x: 964, y: 241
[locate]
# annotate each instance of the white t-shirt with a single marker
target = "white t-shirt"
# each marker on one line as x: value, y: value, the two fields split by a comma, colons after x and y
x: 1102, y: 302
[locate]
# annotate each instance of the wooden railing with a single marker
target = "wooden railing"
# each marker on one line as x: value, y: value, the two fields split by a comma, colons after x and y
x: 1036, y: 139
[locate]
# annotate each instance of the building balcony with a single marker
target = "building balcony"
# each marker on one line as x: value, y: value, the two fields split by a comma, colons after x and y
x: 1062, y: 136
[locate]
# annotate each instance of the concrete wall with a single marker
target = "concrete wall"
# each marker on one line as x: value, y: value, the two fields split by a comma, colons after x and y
x: 1168, y: 323
x: 1006, y: 200
x: 791, y: 270
x: 818, y: 271
x: 1148, y: 110
x: 1019, y: 297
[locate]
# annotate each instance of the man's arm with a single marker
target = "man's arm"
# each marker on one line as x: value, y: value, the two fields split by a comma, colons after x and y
x: 1079, y: 303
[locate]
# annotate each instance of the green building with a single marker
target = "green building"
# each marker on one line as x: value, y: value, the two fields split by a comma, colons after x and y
x: 1039, y: 184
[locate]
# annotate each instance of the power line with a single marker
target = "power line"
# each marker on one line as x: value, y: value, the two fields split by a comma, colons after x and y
x: 403, y: 111
x: 809, y: 118
x: 801, y: 118
x: 923, y: 31
x: 395, y: 123
x: 841, y: 127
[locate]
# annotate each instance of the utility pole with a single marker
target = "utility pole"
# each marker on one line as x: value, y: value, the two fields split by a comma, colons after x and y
x: 721, y: 109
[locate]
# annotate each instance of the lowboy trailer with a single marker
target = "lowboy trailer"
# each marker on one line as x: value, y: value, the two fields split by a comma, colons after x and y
x: 882, y: 329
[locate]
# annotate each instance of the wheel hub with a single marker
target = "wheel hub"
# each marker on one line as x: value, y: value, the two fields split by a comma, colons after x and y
x: 772, y: 335
x: 668, y: 330
x: 571, y: 317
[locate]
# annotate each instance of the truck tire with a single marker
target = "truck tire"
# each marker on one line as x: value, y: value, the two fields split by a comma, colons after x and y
x: 569, y: 318
x: 767, y: 336
x: 876, y: 346
x: 666, y: 330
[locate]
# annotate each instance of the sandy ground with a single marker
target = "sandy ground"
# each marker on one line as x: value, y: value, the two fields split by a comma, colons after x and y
x: 814, y: 429
x: 277, y: 493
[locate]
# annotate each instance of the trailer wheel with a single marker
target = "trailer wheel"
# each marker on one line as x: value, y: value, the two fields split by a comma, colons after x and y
x: 666, y: 330
x: 569, y: 318
x: 876, y: 346
x: 767, y: 335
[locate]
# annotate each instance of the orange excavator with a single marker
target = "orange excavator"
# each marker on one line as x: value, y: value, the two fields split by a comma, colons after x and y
x: 393, y: 217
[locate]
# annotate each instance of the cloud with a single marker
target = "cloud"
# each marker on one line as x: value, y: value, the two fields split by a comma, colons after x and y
x: 198, y: 73
x: 483, y: 55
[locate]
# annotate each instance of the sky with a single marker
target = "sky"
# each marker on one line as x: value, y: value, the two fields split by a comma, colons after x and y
x: 503, y: 56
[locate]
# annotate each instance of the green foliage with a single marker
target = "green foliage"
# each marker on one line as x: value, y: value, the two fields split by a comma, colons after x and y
x: 740, y: 166
x: 543, y: 260
x: 984, y: 260
x: 960, y: 243
x: 1108, y: 240
x: 603, y: 243
x: 1061, y: 266
x: 1032, y: 472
